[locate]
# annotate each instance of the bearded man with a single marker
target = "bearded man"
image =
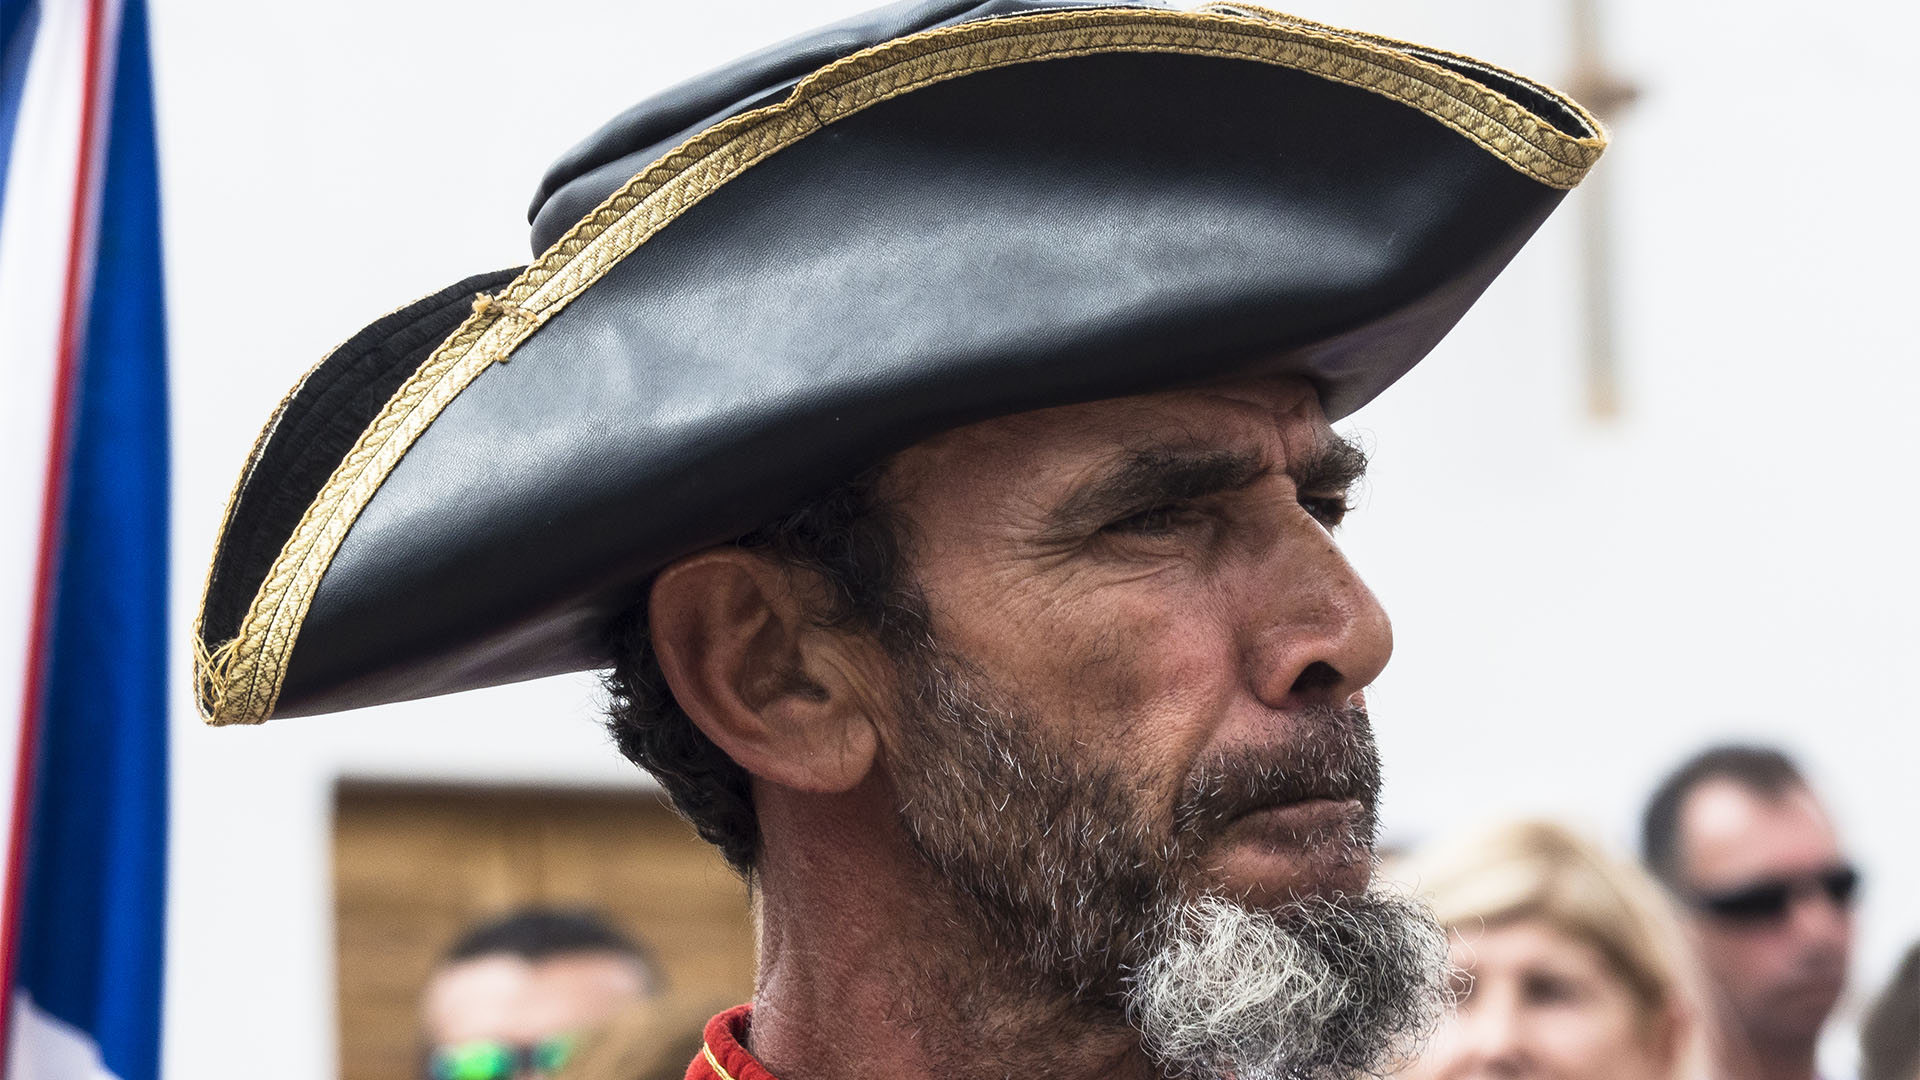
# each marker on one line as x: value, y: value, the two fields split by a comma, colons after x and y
x: 928, y: 422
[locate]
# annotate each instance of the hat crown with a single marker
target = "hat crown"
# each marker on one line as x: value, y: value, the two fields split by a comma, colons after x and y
x: 599, y: 164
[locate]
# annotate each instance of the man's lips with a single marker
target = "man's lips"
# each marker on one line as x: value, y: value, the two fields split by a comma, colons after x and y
x: 1284, y: 851
x: 1302, y: 822
x: 1327, y: 756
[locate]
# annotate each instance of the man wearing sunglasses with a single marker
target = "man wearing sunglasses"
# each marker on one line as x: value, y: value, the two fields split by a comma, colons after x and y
x: 1745, y: 845
x: 513, y: 996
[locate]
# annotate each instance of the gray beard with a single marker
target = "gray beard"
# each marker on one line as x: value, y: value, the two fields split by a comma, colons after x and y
x: 1323, y: 990
x: 1096, y: 908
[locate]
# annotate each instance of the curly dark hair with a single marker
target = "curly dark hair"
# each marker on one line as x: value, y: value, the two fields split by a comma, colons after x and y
x: 855, y: 544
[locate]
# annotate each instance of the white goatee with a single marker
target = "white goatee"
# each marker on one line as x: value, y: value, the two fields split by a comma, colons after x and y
x: 1324, y: 989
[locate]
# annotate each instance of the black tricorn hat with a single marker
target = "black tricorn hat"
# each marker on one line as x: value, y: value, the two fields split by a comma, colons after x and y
x: 762, y: 281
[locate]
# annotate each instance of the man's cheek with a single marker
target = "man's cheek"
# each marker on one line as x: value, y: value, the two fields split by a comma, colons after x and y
x: 1158, y: 679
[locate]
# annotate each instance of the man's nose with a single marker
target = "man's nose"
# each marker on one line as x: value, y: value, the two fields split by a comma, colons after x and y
x: 1819, y: 921
x: 1317, y: 634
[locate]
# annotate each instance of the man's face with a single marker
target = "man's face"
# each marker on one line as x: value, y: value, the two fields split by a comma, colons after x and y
x: 506, y: 999
x: 1139, y: 710
x: 1155, y: 579
x: 1779, y: 974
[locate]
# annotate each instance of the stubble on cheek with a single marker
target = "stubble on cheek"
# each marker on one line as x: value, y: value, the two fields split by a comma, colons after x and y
x: 1138, y: 689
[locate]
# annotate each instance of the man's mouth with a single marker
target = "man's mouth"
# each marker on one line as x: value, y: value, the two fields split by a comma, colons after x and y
x: 1823, y: 981
x: 1283, y: 851
x: 1269, y: 799
x: 1310, y: 824
x: 1306, y: 803
x: 1306, y: 811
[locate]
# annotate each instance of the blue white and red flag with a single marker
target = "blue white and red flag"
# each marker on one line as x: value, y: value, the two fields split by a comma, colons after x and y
x: 83, y: 544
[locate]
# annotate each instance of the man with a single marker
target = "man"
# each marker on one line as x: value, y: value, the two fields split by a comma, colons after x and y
x: 928, y: 421
x: 513, y: 996
x: 1745, y: 845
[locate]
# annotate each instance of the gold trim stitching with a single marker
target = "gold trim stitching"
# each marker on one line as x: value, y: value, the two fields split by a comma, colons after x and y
x: 240, y: 681
x: 714, y: 1062
x: 1255, y: 11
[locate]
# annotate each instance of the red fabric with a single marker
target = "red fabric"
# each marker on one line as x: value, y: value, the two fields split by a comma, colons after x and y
x: 726, y: 1041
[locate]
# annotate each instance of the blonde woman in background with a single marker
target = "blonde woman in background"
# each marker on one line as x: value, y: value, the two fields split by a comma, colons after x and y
x: 1572, y: 967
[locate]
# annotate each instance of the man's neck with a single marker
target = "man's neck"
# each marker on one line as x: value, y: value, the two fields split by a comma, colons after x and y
x: 867, y: 969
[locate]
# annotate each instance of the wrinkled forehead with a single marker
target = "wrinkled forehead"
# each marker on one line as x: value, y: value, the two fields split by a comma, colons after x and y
x: 1278, y: 416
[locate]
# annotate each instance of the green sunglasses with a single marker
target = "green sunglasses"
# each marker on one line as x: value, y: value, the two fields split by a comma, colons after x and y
x: 491, y: 1060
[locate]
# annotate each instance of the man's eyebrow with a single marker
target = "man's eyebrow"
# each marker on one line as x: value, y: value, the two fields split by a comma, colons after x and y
x: 1334, y: 465
x: 1144, y: 479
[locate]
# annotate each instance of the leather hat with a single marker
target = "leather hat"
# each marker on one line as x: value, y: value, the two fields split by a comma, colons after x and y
x: 753, y: 285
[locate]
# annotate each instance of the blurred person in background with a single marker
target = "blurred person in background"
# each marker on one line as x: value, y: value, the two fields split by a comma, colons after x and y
x: 1890, y: 1036
x: 1572, y: 965
x: 1741, y: 840
x: 514, y: 996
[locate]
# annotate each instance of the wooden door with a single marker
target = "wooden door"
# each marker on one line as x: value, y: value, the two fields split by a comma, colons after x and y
x: 415, y: 865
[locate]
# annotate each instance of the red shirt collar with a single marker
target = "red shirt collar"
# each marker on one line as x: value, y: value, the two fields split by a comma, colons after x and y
x: 724, y: 1055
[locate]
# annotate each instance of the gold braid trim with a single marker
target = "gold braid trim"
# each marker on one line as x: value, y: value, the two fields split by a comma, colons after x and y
x: 239, y: 682
x: 713, y: 1062
x: 1597, y: 140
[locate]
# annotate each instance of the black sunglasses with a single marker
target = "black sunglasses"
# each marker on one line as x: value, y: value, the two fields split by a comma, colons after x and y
x: 1768, y: 900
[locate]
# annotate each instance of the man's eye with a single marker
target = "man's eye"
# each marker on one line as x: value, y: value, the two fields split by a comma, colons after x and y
x: 1159, y: 521
x: 1328, y: 510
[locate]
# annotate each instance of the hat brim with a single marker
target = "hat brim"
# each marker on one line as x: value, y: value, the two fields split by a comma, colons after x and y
x: 966, y: 222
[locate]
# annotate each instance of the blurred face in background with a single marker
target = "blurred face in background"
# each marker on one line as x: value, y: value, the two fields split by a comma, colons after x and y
x: 1770, y: 893
x: 1537, y: 1001
x: 503, y: 1017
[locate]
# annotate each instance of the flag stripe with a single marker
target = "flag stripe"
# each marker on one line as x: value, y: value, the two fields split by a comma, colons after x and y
x: 92, y: 911
x: 45, y: 1048
x: 53, y: 485
x: 17, y: 29
x: 34, y: 243
x: 75, y: 294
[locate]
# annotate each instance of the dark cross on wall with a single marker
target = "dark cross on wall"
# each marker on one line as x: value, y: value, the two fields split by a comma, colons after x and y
x: 1607, y: 95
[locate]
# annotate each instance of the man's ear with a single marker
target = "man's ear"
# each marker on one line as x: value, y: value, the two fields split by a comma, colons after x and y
x: 785, y: 698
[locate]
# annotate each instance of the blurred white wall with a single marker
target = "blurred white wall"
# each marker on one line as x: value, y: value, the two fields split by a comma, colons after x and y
x: 1578, y: 603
